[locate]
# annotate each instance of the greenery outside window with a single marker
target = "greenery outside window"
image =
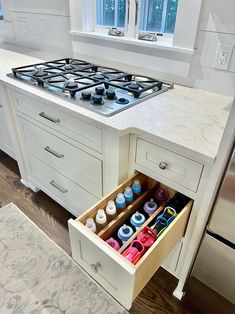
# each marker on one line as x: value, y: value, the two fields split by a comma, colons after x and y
x: 111, y: 13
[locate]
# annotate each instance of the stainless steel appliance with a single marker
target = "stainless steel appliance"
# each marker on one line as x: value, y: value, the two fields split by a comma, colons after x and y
x: 215, y: 263
x: 103, y: 90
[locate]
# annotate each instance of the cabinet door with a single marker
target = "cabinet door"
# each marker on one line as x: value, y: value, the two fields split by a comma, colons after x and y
x: 1, y: 128
x: 5, y: 139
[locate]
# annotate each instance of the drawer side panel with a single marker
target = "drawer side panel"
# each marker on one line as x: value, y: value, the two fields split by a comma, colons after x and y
x: 153, y: 259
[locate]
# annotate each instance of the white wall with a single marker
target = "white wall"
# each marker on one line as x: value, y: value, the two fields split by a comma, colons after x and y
x: 40, y: 24
x: 217, y: 24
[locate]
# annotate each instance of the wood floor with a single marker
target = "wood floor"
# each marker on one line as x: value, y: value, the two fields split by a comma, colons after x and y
x: 156, y: 297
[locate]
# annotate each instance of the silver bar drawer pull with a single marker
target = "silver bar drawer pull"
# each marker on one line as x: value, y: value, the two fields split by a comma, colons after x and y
x: 163, y: 165
x: 58, y: 187
x: 53, y: 152
x: 95, y: 267
x: 45, y: 116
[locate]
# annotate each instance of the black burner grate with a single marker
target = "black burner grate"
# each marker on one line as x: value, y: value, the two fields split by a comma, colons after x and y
x: 135, y: 84
x: 73, y: 75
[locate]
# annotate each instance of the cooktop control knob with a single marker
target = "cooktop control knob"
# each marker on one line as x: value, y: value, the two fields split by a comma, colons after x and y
x: 110, y: 93
x: 99, y: 90
x: 97, y: 100
x: 86, y: 95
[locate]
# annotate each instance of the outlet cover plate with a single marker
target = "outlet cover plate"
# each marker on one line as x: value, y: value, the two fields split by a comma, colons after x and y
x: 223, y: 56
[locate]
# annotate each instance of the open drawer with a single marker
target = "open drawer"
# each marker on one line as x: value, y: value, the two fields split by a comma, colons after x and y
x: 110, y: 268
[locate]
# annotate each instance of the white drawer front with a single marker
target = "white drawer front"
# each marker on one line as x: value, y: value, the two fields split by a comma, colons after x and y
x: 79, y: 166
x: 103, y: 264
x: 177, y: 168
x: 58, y: 187
x: 76, y: 129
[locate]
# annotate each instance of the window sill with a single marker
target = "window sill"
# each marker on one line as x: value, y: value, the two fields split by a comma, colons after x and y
x: 163, y: 45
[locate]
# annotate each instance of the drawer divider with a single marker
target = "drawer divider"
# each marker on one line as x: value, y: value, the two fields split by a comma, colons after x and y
x: 125, y: 214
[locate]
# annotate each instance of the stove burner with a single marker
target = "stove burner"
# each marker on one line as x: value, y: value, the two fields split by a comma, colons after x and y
x: 98, y: 76
x: 68, y: 67
x: 80, y: 62
x: 122, y: 101
x: 70, y: 84
x: 56, y: 79
x: 133, y: 85
x: 39, y: 73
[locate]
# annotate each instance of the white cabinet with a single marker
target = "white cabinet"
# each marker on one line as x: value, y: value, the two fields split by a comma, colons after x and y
x: 62, y: 153
x: 74, y: 163
x: 82, y: 132
x: 177, y: 168
x: 64, y: 191
x: 5, y: 139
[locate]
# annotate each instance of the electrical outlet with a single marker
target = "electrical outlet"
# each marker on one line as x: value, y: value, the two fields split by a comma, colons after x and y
x: 223, y: 56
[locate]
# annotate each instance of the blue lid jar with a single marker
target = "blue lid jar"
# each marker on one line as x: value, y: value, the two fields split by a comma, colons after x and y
x: 125, y: 232
x: 137, y: 220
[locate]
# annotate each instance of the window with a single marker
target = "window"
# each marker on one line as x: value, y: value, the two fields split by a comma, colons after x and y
x: 111, y: 13
x: 177, y: 20
x: 158, y: 15
x: 153, y: 15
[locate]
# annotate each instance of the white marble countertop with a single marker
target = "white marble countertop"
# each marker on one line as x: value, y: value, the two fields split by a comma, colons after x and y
x: 191, y: 120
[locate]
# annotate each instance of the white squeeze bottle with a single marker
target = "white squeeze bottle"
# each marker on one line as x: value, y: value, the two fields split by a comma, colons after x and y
x: 101, y: 219
x: 111, y: 210
x: 90, y: 224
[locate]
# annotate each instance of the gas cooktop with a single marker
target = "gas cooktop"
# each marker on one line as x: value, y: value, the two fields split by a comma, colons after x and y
x: 103, y: 90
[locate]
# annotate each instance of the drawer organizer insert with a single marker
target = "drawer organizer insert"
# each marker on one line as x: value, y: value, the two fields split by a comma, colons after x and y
x: 149, y: 186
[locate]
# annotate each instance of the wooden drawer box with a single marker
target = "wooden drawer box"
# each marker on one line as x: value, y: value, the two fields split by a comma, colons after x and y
x: 177, y: 168
x: 80, y: 131
x: 79, y: 166
x: 64, y: 191
x: 116, y: 274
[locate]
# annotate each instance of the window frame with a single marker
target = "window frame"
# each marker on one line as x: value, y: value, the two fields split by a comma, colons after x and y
x: 1, y: 10
x: 83, y: 21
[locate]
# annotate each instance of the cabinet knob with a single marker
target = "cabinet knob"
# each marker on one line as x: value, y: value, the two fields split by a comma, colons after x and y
x: 95, y: 267
x: 163, y: 165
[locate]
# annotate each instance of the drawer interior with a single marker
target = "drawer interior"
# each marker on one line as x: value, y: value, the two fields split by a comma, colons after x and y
x: 149, y: 186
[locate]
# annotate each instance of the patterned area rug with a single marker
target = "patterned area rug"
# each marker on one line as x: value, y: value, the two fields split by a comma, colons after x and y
x: 37, y: 277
